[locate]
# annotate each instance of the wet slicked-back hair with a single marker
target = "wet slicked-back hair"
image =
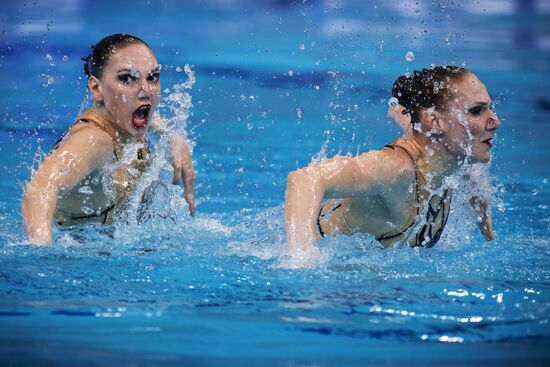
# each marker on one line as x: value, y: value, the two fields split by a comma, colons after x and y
x: 427, y: 88
x: 95, y: 62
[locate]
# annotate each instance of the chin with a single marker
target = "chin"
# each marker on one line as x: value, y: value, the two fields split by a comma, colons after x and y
x: 481, y: 158
x: 139, y: 131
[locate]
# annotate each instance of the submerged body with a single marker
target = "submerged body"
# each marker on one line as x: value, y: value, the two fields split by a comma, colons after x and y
x: 397, y: 193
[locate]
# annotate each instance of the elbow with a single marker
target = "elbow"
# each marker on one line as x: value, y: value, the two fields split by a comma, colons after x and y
x: 298, y: 178
x: 303, y: 183
x: 36, y: 195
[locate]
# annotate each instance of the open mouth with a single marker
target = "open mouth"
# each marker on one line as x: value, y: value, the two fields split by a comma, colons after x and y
x: 140, y: 116
x: 488, y: 142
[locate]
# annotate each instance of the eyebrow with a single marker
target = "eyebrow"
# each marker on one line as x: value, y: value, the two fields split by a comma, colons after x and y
x: 479, y: 104
x: 155, y: 69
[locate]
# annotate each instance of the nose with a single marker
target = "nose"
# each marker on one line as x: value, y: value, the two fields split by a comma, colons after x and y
x: 144, y: 89
x: 494, y: 122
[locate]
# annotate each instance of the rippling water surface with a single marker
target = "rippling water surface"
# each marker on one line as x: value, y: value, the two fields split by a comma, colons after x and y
x: 277, y: 83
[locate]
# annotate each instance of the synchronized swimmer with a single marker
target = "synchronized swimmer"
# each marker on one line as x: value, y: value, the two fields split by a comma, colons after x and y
x: 93, y: 168
x: 396, y: 194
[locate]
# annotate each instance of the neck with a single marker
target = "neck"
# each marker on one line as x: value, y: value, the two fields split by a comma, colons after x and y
x: 108, y: 119
x: 437, y: 162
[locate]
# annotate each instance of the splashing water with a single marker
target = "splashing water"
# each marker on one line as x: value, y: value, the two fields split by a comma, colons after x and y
x: 173, y: 114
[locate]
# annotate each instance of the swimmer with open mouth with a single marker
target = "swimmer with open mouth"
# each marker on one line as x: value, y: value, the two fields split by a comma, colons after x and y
x: 88, y: 175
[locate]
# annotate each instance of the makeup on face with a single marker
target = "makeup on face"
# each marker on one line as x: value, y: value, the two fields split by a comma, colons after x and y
x: 132, y: 88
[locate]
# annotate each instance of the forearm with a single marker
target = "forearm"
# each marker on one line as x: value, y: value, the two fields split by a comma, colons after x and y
x: 482, y: 209
x: 302, y: 203
x: 179, y: 143
x: 38, y: 206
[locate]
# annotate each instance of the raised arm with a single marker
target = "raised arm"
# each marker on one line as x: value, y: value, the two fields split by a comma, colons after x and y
x: 182, y: 161
x: 183, y: 169
x: 403, y: 121
x: 340, y: 177
x: 83, y: 152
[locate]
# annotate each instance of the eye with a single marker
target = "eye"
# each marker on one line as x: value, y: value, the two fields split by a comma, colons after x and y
x: 153, y: 77
x: 476, y: 110
x: 125, y: 78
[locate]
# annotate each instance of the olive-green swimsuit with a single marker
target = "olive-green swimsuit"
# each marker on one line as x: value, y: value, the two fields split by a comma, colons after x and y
x: 104, y: 213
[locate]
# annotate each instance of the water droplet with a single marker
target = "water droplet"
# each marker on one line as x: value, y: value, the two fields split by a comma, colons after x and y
x: 65, y: 58
x: 290, y: 73
x: 86, y: 190
x: 49, y: 80
x: 393, y: 102
x: 249, y: 126
x: 179, y: 69
x: 87, y: 210
x: 301, y: 46
x: 409, y: 56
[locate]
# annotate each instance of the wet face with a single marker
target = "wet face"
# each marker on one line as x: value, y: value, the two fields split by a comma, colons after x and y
x: 129, y: 88
x: 471, y: 120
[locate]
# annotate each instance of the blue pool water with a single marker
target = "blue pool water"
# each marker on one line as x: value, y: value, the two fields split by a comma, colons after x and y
x: 277, y: 83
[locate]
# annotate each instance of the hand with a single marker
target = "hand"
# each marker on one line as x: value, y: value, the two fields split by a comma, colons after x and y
x: 403, y: 121
x: 302, y: 259
x: 183, y: 168
x: 483, y: 210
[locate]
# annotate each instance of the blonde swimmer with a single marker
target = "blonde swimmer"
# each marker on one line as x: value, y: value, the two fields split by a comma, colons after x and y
x: 397, y: 193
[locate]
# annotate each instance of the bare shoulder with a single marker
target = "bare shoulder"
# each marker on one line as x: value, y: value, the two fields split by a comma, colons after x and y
x: 85, y: 140
x: 83, y: 149
x: 391, y: 166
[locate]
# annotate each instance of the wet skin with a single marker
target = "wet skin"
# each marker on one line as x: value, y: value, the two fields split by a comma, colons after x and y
x: 128, y: 82
x: 375, y: 187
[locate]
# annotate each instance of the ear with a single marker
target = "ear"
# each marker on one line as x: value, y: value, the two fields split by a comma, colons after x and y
x: 96, y: 89
x: 432, y: 121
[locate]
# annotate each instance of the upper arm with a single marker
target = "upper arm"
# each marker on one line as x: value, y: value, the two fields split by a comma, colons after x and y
x: 362, y: 175
x: 84, y: 151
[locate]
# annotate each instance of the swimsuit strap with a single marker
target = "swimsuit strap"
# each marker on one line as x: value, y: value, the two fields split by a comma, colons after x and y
x: 321, y: 215
x: 124, y: 190
x: 414, y: 152
x: 92, y: 116
x: 438, y: 208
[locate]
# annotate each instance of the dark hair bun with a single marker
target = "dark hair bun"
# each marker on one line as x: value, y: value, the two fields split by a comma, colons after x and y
x: 104, y: 49
x: 402, y: 90
x: 86, y: 60
x: 426, y: 88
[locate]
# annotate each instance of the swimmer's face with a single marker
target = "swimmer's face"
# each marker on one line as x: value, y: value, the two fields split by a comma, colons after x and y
x: 471, y: 120
x: 129, y: 88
